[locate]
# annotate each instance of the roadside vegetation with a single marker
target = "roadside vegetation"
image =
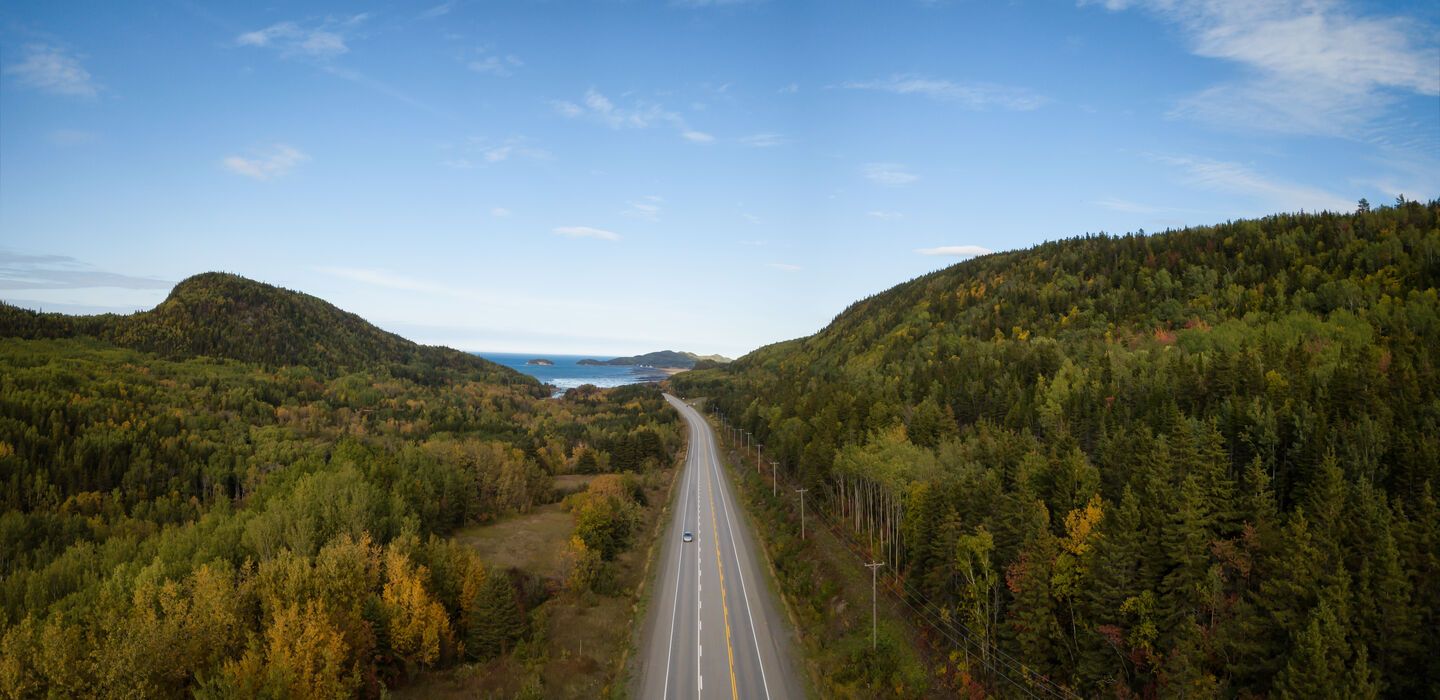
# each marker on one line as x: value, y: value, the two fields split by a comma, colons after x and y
x: 1201, y: 462
x: 178, y: 524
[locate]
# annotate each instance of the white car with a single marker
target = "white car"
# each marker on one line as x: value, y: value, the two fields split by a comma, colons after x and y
x: 688, y: 537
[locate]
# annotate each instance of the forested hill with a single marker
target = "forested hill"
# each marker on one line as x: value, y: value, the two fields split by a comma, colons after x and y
x: 1195, y: 462
x: 223, y: 315
x: 659, y: 358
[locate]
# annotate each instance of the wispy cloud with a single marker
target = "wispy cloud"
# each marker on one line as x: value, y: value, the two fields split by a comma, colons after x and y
x: 956, y: 251
x: 438, y: 10
x: 1312, y: 66
x: 766, y: 140
x: 502, y: 67
x: 885, y: 214
x: 892, y: 174
x: 53, y: 70
x: 971, y: 95
x: 486, y: 151
x: 790, y: 89
x: 644, y: 211
x: 275, y: 161
x: 639, y: 115
x: 784, y: 267
x: 1235, y: 178
x: 586, y: 232
x: 323, y: 40
x: 500, y: 211
x: 22, y: 271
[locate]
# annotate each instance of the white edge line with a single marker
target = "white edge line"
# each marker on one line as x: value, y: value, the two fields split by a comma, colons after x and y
x: 674, y: 606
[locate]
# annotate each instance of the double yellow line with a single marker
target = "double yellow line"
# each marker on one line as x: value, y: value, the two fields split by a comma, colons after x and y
x: 714, y: 528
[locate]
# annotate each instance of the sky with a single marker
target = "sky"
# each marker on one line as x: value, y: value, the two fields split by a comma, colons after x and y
x: 615, y: 177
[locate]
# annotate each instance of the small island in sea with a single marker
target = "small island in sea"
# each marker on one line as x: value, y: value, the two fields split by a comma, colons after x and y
x: 541, y: 362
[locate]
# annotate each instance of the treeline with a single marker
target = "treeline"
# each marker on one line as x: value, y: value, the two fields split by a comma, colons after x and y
x: 1199, y: 462
x: 232, y: 529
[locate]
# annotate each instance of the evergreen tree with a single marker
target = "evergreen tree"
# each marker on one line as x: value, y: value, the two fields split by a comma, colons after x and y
x: 496, y: 622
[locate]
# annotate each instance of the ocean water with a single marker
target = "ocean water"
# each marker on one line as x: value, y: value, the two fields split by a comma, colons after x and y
x: 568, y: 375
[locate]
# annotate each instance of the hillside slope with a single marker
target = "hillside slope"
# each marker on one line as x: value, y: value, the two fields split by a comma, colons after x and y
x: 1189, y: 462
x: 223, y: 315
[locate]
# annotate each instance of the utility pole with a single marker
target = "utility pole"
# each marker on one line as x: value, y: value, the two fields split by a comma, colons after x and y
x: 772, y: 478
x: 874, y: 568
x: 802, y: 511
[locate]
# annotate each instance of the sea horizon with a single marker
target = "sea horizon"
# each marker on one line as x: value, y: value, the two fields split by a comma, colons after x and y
x: 566, y: 374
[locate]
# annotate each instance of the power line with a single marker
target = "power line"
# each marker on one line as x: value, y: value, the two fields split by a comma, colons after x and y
x: 991, y: 656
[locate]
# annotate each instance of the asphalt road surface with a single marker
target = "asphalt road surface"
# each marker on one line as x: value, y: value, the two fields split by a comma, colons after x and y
x: 714, y: 629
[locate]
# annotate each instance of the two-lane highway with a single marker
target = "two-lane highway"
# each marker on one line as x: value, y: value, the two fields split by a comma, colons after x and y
x: 714, y: 629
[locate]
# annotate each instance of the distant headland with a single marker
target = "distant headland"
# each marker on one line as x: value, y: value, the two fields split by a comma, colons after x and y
x: 663, y: 359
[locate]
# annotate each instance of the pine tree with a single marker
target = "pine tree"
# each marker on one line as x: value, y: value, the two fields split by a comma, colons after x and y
x: 1320, y: 663
x: 496, y: 622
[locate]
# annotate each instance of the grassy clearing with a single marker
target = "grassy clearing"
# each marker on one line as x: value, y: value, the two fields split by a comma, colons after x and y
x: 578, y: 643
x: 527, y: 542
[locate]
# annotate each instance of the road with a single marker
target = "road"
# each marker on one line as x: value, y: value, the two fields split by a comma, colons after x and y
x: 714, y: 628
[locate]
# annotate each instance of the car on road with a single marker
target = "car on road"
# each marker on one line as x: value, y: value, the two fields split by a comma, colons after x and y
x: 688, y: 537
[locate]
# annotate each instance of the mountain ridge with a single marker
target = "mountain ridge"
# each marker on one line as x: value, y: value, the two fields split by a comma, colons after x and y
x: 219, y: 314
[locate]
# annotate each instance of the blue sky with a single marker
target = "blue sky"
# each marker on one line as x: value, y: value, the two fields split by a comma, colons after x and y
x: 616, y: 177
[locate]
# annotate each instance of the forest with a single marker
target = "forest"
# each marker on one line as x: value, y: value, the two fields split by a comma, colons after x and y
x: 248, y: 515
x: 1195, y: 463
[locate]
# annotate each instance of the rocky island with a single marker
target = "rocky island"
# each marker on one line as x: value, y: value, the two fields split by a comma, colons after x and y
x: 540, y: 361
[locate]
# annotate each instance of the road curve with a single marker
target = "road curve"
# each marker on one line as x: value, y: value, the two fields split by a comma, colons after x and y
x: 713, y: 629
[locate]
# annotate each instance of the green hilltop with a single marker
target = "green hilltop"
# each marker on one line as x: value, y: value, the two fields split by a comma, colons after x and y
x: 222, y: 315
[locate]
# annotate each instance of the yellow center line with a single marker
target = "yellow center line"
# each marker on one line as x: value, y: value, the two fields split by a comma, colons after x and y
x: 710, y: 491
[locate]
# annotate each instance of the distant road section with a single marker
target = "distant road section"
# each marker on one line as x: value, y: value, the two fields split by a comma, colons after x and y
x: 713, y: 629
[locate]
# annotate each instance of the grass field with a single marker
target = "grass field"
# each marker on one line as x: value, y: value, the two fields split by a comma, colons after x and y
x: 585, y: 636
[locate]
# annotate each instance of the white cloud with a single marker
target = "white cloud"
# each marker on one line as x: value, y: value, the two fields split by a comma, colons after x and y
x: 1234, y: 178
x: 586, y: 232
x: 275, y: 161
x: 784, y: 267
x: 499, y: 211
x: 790, y: 89
x: 752, y: 219
x: 53, y: 70
x: 958, y: 251
x: 885, y: 214
x: 438, y: 10
x: 765, y: 140
x: 972, y: 95
x: 497, y: 66
x: 757, y: 244
x: 1313, y: 66
x: 489, y: 152
x: 643, y: 211
x: 640, y: 115
x: 323, y: 40
x: 892, y: 174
